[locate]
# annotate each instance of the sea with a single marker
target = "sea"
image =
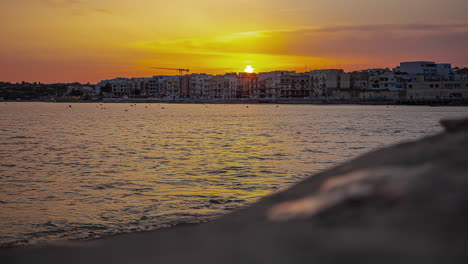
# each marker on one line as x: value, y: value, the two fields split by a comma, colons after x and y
x: 89, y: 170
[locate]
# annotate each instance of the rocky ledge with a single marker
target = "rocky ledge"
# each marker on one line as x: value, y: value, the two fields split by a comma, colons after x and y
x: 403, y: 204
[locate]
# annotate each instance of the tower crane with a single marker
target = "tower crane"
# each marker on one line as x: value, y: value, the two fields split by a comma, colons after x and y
x: 181, y: 71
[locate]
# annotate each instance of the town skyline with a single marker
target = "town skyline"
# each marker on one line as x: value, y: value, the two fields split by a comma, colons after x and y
x: 80, y: 40
x: 171, y: 72
x: 412, y: 81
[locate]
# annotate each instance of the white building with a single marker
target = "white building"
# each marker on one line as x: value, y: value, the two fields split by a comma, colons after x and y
x: 170, y: 87
x: 445, y: 71
x: 195, y: 86
x: 223, y: 86
x: 326, y: 81
x: 418, y: 67
x: 420, y: 89
x: 382, y: 81
x: 118, y: 87
x: 155, y: 85
x: 430, y: 69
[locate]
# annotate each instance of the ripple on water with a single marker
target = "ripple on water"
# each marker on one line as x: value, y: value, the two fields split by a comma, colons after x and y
x: 70, y: 176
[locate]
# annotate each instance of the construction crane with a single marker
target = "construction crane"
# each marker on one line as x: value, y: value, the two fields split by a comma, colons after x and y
x: 181, y: 71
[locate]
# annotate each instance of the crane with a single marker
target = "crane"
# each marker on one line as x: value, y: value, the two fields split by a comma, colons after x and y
x: 181, y: 71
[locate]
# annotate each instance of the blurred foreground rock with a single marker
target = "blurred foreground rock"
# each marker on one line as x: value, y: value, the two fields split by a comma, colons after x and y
x: 403, y: 204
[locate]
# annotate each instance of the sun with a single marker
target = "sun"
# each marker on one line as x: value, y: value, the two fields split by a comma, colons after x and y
x: 249, y: 69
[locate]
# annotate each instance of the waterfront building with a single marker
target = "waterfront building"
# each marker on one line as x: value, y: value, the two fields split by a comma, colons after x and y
x: 194, y: 86
x: 422, y: 89
x: 271, y: 82
x: 431, y: 70
x: 325, y: 82
x: 295, y: 85
x: 445, y: 71
x: 358, y: 80
x: 124, y: 87
x: 118, y: 87
x: 154, y: 85
x: 223, y: 87
x: 247, y: 85
x: 382, y: 80
x: 428, y: 68
x: 284, y: 85
x: 82, y: 90
x: 461, y: 74
x: 385, y: 94
x: 269, y: 75
x: 140, y: 86
x: 411, y: 80
x: 170, y: 88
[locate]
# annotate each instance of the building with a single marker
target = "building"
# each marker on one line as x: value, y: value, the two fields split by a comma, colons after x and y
x: 421, y: 89
x: 194, y: 86
x: 283, y: 85
x: 412, y: 80
x: 431, y: 70
x: 118, y: 87
x: 223, y: 87
x: 445, y: 71
x: 170, y: 88
x: 155, y: 86
x: 359, y: 80
x: 247, y: 85
x: 428, y: 68
x: 460, y: 74
x: 295, y: 85
x: 382, y: 80
x: 325, y: 82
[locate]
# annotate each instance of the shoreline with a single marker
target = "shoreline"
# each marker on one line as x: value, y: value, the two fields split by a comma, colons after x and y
x: 400, y: 204
x: 427, y: 102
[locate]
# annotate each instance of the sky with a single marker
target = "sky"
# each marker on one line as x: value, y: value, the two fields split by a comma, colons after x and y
x: 91, y: 40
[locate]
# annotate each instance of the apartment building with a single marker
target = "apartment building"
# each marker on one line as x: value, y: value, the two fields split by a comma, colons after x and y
x: 422, y: 89
x: 170, y: 88
x: 325, y: 82
x: 223, y: 87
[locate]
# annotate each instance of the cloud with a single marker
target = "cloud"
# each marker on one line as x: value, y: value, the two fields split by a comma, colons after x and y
x: 103, y: 11
x: 392, y: 27
x: 408, y: 40
x: 76, y: 7
x: 60, y: 3
x: 446, y: 42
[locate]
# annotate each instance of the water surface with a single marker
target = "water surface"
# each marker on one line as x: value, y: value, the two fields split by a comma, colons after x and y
x: 90, y: 170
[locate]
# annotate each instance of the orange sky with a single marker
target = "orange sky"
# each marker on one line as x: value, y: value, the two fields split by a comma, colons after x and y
x: 86, y: 41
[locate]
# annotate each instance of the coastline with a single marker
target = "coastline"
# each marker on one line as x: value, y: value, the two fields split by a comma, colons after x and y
x: 401, y: 204
x: 420, y: 102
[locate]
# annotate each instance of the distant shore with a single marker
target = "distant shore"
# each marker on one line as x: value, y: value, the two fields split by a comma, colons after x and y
x: 324, y: 101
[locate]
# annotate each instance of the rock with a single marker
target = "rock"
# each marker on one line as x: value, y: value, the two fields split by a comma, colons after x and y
x: 388, y: 183
x: 455, y: 125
